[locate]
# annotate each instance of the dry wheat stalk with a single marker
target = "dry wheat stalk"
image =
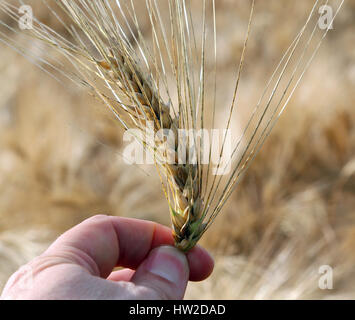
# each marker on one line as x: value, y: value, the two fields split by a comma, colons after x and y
x: 110, y: 56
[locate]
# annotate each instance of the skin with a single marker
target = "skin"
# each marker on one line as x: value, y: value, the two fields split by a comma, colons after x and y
x: 80, y: 263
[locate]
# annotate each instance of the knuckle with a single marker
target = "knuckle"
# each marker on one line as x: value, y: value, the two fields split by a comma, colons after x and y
x: 20, y: 282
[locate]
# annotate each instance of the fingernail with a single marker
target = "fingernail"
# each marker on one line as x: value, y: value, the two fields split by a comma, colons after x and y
x: 169, y: 263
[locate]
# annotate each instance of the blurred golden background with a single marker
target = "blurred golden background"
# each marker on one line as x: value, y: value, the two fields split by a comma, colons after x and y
x: 60, y: 162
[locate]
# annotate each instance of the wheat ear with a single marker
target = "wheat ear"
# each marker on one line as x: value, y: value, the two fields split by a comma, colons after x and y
x: 182, y: 178
x: 109, y: 55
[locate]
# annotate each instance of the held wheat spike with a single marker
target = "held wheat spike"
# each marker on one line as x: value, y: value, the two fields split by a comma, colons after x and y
x: 158, y: 82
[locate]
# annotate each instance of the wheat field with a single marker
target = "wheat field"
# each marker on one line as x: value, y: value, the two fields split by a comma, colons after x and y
x: 294, y: 211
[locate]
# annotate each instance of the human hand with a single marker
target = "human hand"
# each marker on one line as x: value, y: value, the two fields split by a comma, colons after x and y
x: 80, y: 263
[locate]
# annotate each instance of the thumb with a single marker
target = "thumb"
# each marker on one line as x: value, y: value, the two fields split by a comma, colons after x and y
x: 165, y: 272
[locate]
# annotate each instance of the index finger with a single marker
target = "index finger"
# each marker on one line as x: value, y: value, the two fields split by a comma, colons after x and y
x: 101, y: 243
